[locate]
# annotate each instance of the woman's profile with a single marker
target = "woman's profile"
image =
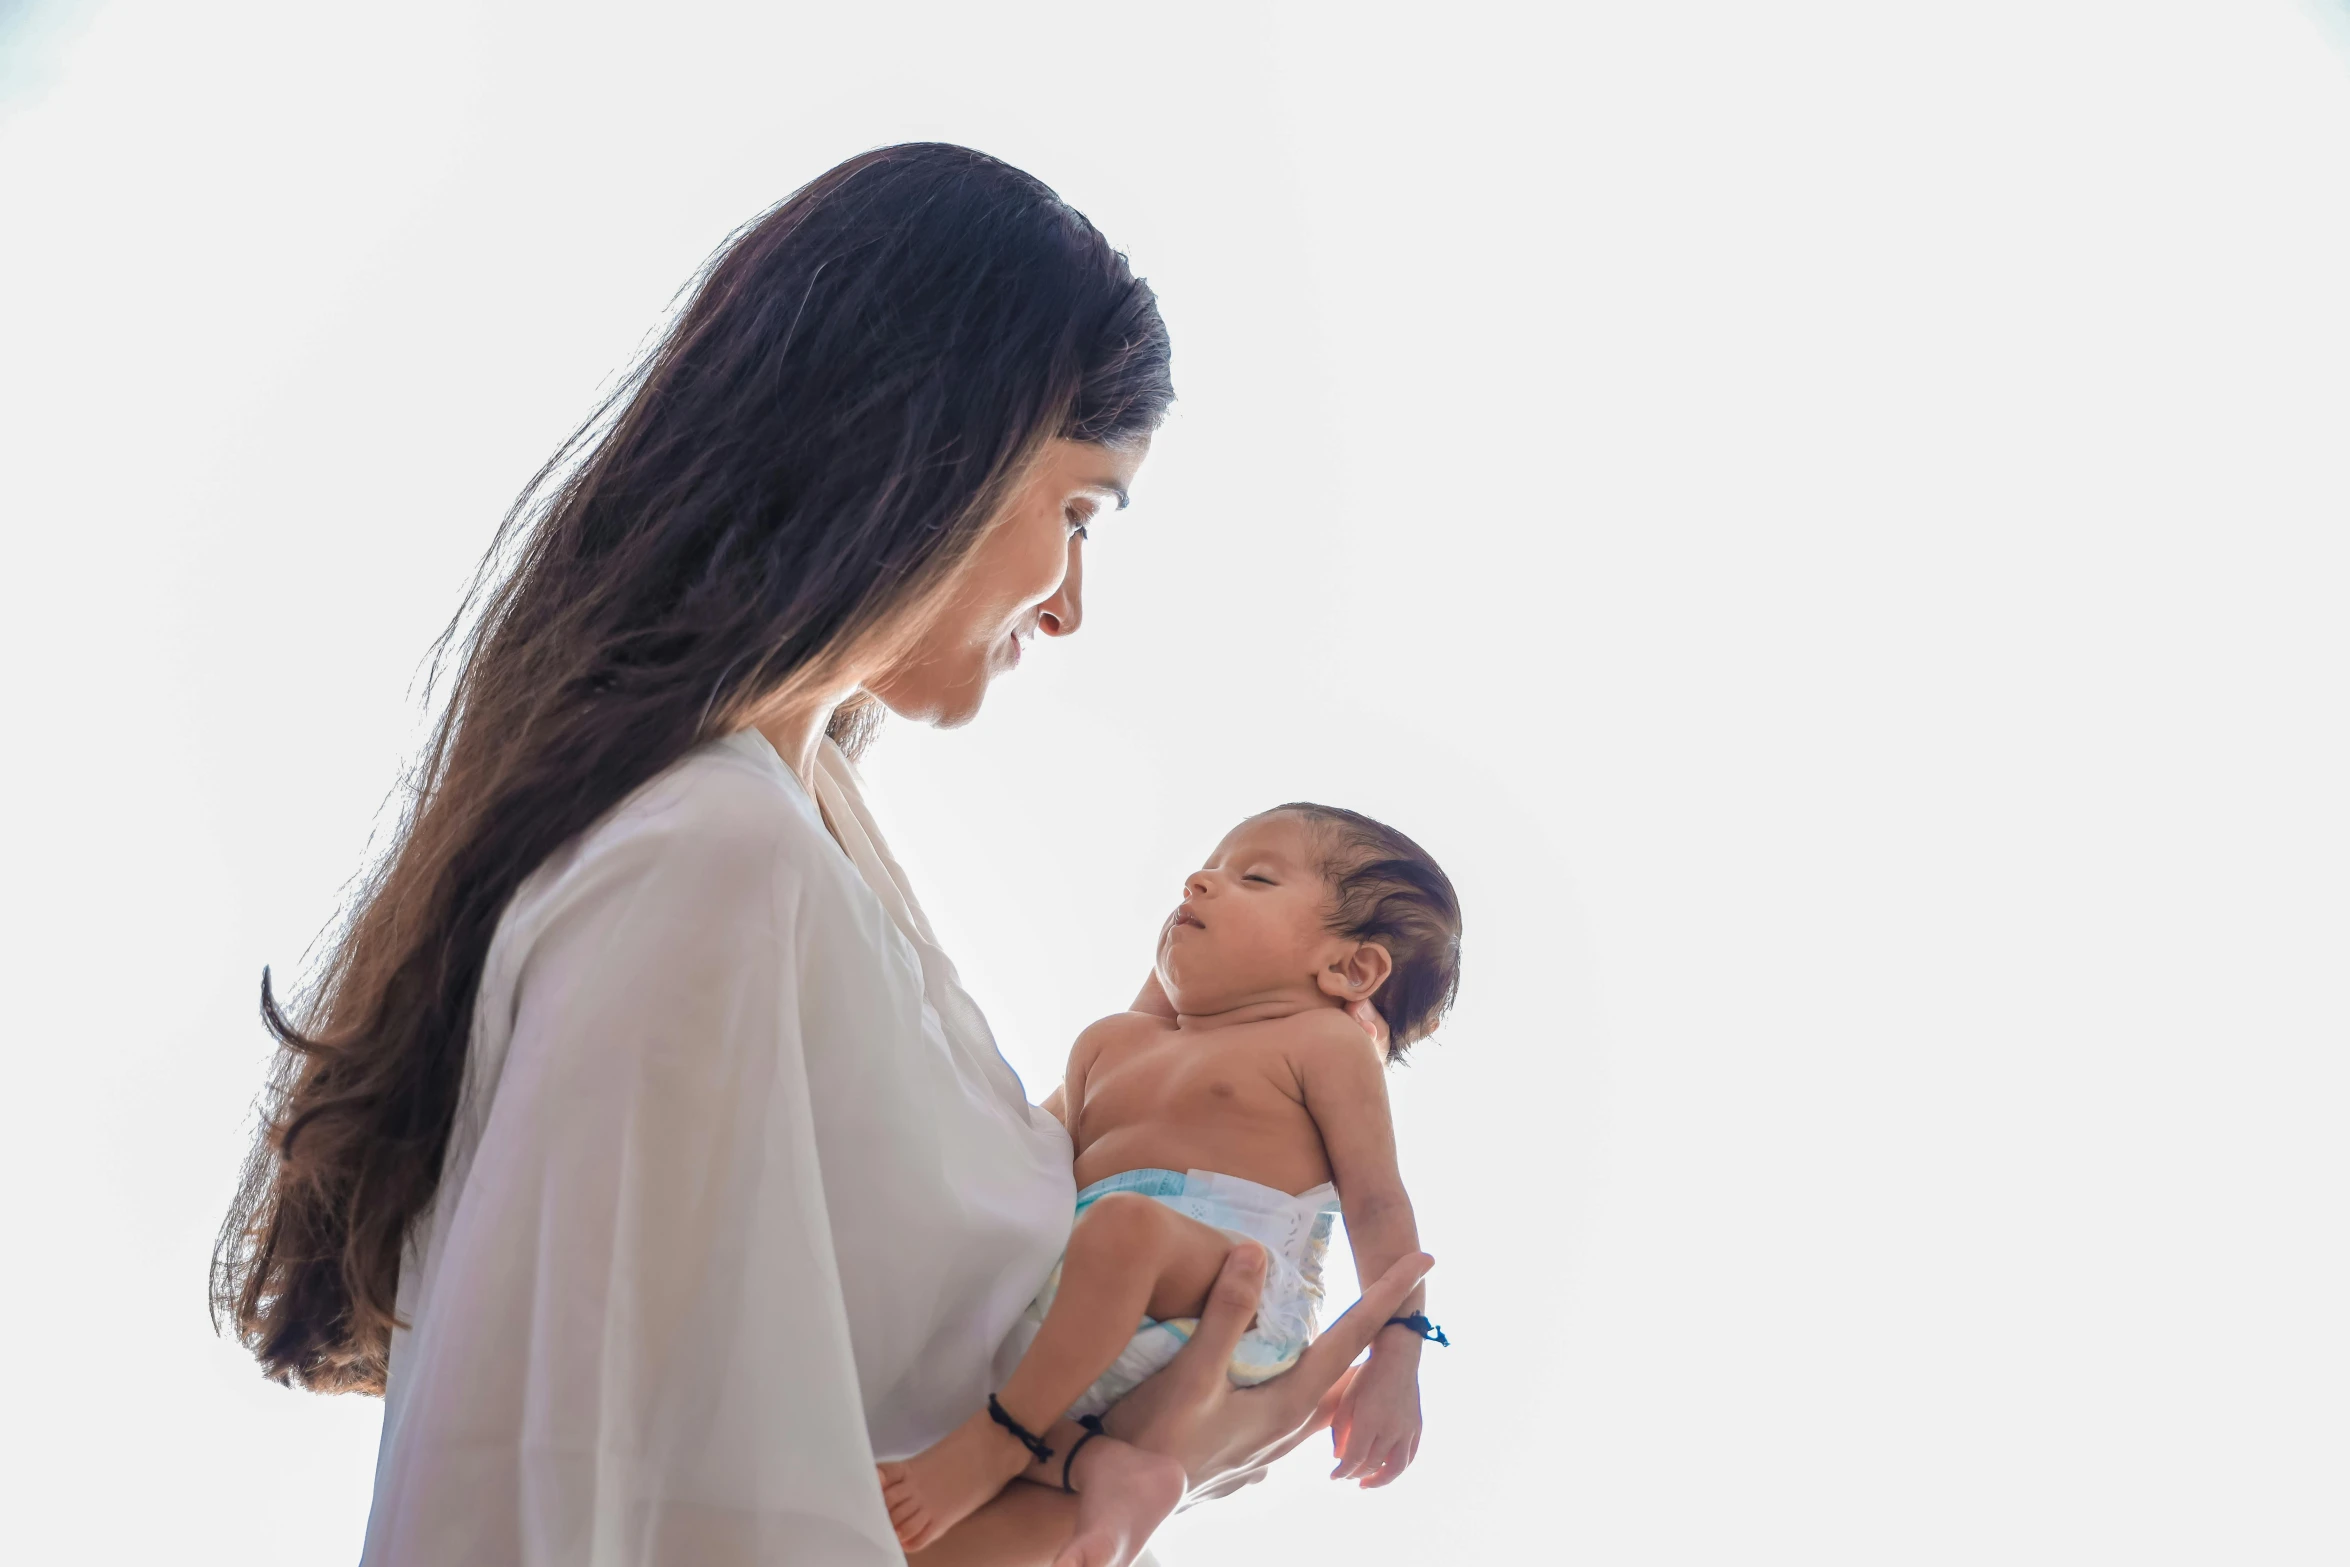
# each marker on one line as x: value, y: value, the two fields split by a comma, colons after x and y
x: 637, y: 1142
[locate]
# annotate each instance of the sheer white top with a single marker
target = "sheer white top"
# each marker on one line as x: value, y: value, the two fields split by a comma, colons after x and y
x: 741, y: 1196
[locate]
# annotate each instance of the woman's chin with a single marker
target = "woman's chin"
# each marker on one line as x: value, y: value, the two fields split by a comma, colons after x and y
x: 949, y: 708
x: 960, y: 707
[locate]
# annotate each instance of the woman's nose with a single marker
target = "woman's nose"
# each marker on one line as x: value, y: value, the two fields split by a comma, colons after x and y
x: 1060, y: 614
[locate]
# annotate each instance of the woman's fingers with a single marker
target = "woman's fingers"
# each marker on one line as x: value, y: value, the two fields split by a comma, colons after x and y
x: 1326, y: 1357
x: 1225, y: 1436
x: 1342, y: 1422
x: 1202, y: 1364
x: 1292, y: 1432
x: 1333, y: 1403
x: 1186, y: 1409
x: 1225, y: 1487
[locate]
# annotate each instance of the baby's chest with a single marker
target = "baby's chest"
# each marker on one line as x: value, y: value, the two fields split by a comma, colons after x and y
x: 1165, y: 1084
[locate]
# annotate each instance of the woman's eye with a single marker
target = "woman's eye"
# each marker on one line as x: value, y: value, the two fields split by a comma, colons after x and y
x: 1078, y: 524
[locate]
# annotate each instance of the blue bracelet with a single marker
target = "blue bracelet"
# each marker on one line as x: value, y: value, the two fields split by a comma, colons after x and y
x: 1418, y: 1322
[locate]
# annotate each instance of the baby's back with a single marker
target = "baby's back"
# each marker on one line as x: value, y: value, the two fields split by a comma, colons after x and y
x: 1159, y: 1097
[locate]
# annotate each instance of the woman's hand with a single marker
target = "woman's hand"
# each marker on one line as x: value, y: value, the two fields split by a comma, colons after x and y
x: 1226, y: 1436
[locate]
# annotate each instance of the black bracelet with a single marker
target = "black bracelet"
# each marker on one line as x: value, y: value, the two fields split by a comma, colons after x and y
x: 1418, y: 1322
x: 1093, y: 1428
x: 1028, y: 1439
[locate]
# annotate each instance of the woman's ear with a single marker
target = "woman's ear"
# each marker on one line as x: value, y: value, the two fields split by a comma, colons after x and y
x: 1358, y: 975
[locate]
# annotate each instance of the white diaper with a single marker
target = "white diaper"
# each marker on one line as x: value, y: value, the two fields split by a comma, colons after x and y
x: 1295, y: 1232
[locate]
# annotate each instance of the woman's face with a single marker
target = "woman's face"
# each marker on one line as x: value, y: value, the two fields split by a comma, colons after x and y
x: 1024, y: 578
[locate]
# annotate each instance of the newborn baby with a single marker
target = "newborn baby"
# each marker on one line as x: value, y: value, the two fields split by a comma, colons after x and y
x: 1245, y: 1118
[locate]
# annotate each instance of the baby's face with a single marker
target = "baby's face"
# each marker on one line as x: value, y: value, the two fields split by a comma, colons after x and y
x: 1250, y: 927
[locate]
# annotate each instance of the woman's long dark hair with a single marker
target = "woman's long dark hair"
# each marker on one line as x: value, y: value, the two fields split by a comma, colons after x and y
x: 856, y: 385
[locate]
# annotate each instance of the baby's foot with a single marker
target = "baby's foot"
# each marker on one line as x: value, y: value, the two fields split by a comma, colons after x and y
x: 1123, y: 1493
x: 937, y: 1488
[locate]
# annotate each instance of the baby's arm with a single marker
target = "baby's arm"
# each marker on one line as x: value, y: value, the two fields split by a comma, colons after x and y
x: 1378, y: 1427
x: 1069, y: 1097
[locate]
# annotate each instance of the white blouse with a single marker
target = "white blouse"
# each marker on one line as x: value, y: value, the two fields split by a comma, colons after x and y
x: 741, y: 1196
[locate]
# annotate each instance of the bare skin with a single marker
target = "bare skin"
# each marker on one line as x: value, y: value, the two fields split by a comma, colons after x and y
x: 934, y: 664
x: 1256, y: 1074
x: 1128, y: 1257
x: 1262, y: 1074
x: 1225, y: 1437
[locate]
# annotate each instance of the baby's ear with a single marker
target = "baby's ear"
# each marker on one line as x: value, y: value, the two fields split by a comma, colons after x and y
x: 1358, y: 975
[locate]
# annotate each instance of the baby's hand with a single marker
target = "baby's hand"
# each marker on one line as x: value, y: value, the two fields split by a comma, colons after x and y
x: 1377, y: 1429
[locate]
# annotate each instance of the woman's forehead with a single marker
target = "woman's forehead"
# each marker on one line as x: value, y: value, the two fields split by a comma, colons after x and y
x: 1085, y: 465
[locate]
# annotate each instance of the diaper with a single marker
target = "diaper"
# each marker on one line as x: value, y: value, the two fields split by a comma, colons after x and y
x: 1295, y: 1232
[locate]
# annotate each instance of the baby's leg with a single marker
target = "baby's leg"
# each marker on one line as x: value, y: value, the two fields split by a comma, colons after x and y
x: 1123, y: 1495
x: 1128, y: 1257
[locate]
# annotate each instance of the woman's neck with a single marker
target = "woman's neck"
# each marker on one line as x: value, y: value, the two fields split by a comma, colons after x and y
x: 797, y: 732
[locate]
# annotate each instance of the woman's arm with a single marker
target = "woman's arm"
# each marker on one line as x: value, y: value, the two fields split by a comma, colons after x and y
x: 1225, y: 1436
x: 632, y: 1343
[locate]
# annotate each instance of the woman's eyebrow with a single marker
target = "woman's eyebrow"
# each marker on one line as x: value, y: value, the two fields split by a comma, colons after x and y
x: 1112, y: 486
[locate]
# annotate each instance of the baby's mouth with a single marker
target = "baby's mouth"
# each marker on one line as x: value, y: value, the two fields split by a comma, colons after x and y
x: 1186, y: 917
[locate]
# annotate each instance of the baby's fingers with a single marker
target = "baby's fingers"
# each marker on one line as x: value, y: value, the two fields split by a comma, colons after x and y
x: 1344, y: 1446
x: 1398, y: 1459
x: 1366, y: 1473
x: 1357, y: 1457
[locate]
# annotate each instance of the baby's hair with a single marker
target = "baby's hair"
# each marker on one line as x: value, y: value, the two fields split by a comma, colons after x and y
x: 1388, y: 889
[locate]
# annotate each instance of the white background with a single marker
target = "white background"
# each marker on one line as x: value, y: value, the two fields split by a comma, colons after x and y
x: 1832, y: 520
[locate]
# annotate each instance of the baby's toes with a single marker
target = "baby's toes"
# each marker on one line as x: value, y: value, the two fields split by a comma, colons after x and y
x: 906, y: 1513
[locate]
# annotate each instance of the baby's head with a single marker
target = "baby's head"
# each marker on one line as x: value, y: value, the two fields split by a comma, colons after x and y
x: 1314, y: 898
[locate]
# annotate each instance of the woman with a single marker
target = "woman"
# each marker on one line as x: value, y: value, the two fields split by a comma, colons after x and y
x: 639, y: 1144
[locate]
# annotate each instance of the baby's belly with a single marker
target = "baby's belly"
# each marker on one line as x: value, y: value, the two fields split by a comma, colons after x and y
x: 1289, y: 1160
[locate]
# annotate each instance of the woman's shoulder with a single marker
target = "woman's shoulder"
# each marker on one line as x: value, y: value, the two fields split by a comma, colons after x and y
x: 734, y: 790
x: 727, y: 814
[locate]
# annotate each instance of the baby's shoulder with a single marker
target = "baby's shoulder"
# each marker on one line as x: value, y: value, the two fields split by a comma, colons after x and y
x: 1123, y: 1029
x: 1325, y: 1034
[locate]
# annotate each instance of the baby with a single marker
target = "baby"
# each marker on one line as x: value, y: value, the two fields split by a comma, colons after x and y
x: 1245, y: 1117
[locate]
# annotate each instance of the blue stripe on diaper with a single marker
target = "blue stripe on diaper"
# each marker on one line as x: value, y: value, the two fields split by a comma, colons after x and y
x: 1237, y: 1206
x: 1148, y: 1183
